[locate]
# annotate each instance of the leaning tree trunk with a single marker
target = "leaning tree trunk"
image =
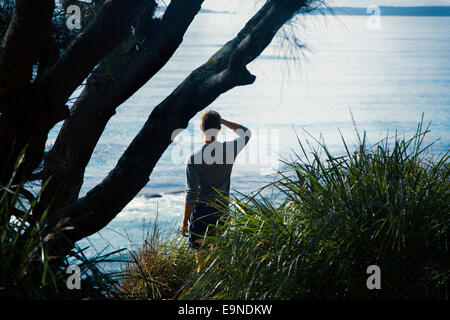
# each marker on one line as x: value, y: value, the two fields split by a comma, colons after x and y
x: 223, y: 71
x: 21, y: 121
x: 30, y: 109
x: 114, y: 81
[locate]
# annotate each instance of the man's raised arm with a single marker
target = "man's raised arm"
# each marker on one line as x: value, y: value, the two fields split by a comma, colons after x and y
x: 244, y: 135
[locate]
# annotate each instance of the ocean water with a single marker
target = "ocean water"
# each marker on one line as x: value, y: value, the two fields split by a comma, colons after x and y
x: 386, y: 78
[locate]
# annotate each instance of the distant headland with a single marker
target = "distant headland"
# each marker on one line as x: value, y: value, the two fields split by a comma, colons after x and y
x: 422, y: 11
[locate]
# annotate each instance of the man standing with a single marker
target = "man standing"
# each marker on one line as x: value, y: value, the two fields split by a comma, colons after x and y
x: 208, y: 172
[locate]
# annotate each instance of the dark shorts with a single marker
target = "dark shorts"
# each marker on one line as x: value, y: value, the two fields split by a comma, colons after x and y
x: 202, y: 220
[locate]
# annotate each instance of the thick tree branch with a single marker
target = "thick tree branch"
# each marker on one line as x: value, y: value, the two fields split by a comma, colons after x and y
x: 94, y: 211
x: 107, y: 88
x: 28, y: 115
x: 21, y: 46
x: 108, y: 29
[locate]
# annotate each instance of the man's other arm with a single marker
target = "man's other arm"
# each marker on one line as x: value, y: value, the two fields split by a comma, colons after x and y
x: 188, y: 208
x: 191, y: 195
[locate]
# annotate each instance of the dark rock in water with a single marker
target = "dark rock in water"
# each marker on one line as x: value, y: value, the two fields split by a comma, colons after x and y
x: 159, y: 195
x: 176, y: 192
x: 150, y: 196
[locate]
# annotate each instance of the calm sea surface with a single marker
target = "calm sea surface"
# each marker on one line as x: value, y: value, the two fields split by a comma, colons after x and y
x: 386, y: 78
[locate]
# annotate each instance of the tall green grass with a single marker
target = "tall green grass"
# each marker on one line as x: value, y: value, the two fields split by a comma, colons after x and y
x: 385, y: 205
x: 159, y: 269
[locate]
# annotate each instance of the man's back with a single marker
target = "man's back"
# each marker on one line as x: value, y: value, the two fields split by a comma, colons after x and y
x: 208, y: 170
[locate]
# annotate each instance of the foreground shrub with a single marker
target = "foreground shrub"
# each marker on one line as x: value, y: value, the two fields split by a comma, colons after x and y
x: 24, y: 278
x: 159, y: 269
